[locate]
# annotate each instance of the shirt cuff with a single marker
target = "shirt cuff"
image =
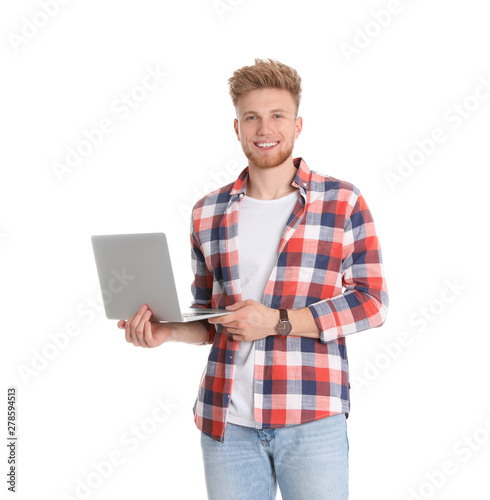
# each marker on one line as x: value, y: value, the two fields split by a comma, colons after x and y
x: 211, y: 331
x: 325, y: 321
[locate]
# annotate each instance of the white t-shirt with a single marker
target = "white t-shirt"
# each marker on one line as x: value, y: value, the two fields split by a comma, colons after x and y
x: 260, y: 228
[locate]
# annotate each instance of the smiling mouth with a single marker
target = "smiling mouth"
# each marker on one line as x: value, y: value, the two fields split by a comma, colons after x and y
x: 266, y: 145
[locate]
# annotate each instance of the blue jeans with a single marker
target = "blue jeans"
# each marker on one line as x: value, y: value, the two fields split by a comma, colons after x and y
x: 309, y: 461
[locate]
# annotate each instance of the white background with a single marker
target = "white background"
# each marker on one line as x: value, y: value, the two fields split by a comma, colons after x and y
x: 416, y: 409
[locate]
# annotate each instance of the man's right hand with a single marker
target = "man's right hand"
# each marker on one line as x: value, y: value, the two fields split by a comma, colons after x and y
x: 142, y: 332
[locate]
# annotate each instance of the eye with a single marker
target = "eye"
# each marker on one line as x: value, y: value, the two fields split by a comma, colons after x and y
x: 277, y: 116
x: 251, y: 117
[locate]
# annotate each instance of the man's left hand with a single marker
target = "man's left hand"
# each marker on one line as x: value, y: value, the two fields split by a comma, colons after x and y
x: 250, y: 320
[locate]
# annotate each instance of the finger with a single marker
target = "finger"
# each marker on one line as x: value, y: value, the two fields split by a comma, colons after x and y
x: 139, y: 338
x: 146, y: 325
x: 134, y: 323
x: 231, y: 331
x: 226, y: 331
x: 237, y: 305
x: 127, y: 330
x: 121, y: 323
x: 235, y: 335
x: 148, y: 334
x: 225, y: 320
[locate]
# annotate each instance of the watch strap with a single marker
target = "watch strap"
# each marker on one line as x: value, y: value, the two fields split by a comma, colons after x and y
x: 283, y: 327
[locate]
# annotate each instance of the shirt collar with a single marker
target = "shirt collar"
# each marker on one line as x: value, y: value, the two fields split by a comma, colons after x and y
x: 301, y: 180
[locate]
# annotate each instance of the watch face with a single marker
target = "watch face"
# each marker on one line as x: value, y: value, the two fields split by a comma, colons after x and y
x: 284, y: 327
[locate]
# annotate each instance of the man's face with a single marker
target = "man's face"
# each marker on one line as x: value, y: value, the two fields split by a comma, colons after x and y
x: 266, y: 126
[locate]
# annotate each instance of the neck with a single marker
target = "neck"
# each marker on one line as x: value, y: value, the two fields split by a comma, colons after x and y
x: 271, y: 183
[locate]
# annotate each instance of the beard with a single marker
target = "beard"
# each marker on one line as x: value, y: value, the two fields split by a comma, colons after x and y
x: 269, y: 161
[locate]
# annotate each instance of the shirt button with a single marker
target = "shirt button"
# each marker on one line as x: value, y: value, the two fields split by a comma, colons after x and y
x: 305, y: 184
x: 241, y: 195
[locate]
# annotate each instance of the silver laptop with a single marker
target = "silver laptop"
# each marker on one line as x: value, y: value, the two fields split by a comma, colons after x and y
x: 135, y: 269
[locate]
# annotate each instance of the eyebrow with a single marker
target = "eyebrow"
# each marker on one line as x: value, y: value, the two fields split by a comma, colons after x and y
x: 271, y: 111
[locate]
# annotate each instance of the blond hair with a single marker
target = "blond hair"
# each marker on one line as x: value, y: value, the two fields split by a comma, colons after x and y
x: 265, y: 74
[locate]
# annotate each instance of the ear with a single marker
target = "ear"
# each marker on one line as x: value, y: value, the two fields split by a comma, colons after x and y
x: 298, y: 127
x: 235, y: 126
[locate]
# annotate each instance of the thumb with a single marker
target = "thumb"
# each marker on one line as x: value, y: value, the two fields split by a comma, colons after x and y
x: 235, y: 306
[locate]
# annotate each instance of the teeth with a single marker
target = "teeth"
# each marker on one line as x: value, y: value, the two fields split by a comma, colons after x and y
x: 266, y: 144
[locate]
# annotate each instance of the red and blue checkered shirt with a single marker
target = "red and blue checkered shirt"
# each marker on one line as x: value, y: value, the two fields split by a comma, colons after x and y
x: 329, y: 260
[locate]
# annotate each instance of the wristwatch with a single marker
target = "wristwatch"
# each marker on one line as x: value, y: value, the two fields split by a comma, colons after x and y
x: 284, y: 326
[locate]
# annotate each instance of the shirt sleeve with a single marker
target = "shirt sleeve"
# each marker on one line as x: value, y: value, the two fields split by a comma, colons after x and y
x: 364, y: 301
x: 202, y: 285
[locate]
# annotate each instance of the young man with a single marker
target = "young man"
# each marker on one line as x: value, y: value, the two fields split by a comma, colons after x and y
x: 294, y: 255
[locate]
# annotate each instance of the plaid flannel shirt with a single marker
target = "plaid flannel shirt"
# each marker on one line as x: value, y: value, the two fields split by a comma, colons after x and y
x: 329, y: 260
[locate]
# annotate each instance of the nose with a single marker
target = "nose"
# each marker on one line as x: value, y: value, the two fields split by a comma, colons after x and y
x: 265, y: 127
